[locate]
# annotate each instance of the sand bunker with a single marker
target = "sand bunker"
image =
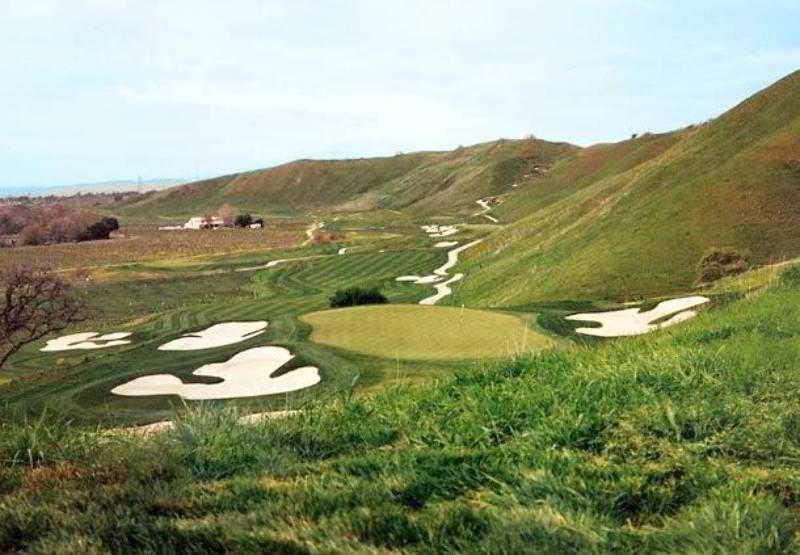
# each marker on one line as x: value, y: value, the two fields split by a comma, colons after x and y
x: 273, y: 263
x: 217, y: 335
x: 166, y: 425
x: 435, y: 230
x: 632, y: 321
x: 247, y: 374
x: 440, y: 273
x: 485, y: 204
x: 442, y: 290
x: 343, y: 250
x: 445, y: 244
x: 86, y: 340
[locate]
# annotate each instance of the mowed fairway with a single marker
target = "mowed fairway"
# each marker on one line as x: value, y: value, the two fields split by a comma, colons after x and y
x: 413, y: 332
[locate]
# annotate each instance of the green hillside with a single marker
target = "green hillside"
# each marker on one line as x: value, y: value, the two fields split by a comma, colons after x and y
x: 634, y: 218
x: 670, y: 443
x: 426, y: 182
x: 618, y: 220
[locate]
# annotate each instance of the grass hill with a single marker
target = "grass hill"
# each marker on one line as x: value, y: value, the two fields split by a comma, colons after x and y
x: 673, y: 442
x: 634, y: 218
x: 426, y: 182
x: 619, y: 220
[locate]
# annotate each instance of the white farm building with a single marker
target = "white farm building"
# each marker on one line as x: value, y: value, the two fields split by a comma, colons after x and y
x: 200, y: 222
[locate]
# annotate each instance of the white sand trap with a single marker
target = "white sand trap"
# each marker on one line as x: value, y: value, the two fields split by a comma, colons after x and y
x: 484, y: 203
x: 442, y: 289
x: 452, y: 258
x: 166, y: 425
x: 435, y: 230
x: 217, y: 335
x: 421, y: 280
x: 247, y: 374
x: 445, y: 244
x: 86, y: 340
x: 343, y: 250
x: 631, y: 321
x: 273, y: 263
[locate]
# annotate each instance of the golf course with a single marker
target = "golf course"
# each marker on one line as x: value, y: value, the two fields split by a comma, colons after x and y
x: 519, y: 345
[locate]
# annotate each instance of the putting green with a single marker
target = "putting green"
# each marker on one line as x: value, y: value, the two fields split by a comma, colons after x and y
x: 414, y: 332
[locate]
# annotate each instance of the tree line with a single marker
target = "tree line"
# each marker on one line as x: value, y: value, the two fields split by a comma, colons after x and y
x: 42, y: 225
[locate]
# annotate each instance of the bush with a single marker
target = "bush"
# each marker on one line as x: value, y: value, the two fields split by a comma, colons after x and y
x: 243, y: 220
x: 33, y: 234
x: 791, y: 276
x: 720, y: 262
x: 99, y: 230
x: 353, y: 296
x: 325, y: 237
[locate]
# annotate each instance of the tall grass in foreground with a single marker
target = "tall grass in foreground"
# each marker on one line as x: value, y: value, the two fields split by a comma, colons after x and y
x: 686, y: 441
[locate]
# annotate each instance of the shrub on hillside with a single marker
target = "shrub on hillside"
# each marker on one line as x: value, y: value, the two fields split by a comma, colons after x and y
x: 791, y: 276
x: 99, y: 230
x: 243, y: 220
x: 353, y: 296
x: 325, y: 237
x: 720, y: 262
x: 32, y: 235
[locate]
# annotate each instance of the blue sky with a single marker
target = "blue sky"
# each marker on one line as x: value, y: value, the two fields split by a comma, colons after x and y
x: 110, y: 89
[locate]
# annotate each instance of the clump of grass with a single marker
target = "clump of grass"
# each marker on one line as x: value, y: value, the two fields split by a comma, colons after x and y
x: 721, y: 262
x: 791, y: 276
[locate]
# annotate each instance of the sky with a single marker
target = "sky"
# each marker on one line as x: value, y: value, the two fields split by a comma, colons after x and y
x: 100, y: 90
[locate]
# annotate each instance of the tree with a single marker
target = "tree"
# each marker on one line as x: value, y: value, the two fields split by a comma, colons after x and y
x: 35, y: 302
x: 99, y: 230
x: 353, y: 296
x: 243, y: 220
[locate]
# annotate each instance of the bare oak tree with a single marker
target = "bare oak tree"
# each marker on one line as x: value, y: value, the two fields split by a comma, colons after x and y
x: 35, y: 302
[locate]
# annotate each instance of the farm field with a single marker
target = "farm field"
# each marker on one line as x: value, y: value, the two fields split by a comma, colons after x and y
x: 146, y: 243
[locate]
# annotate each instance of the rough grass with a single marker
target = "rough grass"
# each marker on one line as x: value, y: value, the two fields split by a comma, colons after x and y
x: 422, y: 183
x: 595, y: 227
x: 413, y: 332
x: 684, y: 441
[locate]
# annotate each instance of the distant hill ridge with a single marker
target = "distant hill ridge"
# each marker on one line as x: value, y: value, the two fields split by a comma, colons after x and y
x: 612, y: 220
x: 427, y: 182
x: 114, y: 186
